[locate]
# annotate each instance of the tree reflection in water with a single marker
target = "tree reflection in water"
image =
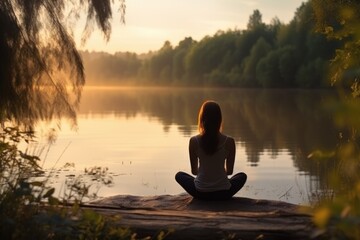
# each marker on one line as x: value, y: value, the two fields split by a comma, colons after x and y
x: 273, y: 121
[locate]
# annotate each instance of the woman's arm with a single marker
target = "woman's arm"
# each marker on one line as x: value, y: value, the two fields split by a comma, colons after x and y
x: 194, y: 162
x: 230, y: 160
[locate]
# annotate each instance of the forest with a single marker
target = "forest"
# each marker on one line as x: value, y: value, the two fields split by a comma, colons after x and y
x: 274, y: 55
x: 319, y: 47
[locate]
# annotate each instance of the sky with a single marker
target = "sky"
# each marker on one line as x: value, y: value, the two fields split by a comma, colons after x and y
x: 149, y: 23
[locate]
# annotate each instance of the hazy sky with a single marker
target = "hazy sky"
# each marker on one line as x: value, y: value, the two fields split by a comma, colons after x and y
x: 149, y: 23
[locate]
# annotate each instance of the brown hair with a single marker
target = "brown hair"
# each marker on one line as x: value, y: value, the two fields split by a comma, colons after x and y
x: 209, y: 125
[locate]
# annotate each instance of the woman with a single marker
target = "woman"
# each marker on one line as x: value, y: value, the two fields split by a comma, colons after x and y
x: 212, y: 157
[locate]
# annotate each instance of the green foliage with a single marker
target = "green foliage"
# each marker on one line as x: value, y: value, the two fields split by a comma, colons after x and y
x: 39, y: 59
x: 178, y: 62
x: 39, y: 63
x: 258, y: 51
x: 310, y: 76
x: 28, y: 207
x: 340, y: 217
x: 340, y: 20
x: 268, y: 71
x: 255, y: 20
x: 159, y: 69
x: 288, y: 66
x: 232, y: 58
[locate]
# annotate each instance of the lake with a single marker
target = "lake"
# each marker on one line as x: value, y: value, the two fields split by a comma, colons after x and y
x: 141, y: 135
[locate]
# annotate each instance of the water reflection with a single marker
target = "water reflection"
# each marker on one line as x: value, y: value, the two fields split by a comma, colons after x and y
x: 263, y: 121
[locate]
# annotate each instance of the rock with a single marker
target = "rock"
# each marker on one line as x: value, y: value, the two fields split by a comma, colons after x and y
x: 188, y: 218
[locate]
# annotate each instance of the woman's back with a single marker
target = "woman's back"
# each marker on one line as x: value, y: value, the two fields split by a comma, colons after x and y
x: 212, y: 174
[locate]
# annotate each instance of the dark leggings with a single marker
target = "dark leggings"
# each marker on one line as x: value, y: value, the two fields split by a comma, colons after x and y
x: 187, y: 182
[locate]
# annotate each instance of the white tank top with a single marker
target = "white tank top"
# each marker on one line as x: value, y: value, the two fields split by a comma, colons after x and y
x: 212, y: 175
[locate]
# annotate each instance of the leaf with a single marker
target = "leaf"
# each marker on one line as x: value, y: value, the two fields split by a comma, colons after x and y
x: 322, y: 216
x: 53, y: 201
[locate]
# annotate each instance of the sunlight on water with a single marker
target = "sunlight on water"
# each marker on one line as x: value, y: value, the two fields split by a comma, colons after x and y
x: 143, y: 149
x: 143, y: 158
x: 138, y: 153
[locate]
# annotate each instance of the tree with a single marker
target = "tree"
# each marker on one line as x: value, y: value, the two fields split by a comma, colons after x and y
x: 255, y: 20
x: 267, y: 70
x: 258, y: 51
x: 339, y: 20
x: 179, y: 58
x: 288, y: 65
x: 311, y: 75
x: 39, y: 57
x: 161, y: 64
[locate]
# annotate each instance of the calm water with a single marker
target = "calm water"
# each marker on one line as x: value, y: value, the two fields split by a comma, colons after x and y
x: 142, y: 136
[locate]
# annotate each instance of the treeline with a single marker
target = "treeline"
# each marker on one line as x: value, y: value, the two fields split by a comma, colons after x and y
x: 274, y: 55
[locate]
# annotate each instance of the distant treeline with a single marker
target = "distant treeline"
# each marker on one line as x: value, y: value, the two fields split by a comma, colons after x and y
x: 274, y: 55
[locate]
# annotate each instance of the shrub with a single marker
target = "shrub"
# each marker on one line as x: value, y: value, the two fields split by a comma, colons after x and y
x: 28, y: 209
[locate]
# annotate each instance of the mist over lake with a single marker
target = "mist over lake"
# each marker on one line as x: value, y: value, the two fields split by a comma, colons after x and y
x: 141, y: 135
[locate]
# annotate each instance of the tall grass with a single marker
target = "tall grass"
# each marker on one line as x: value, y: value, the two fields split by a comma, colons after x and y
x: 337, y: 215
x: 28, y: 207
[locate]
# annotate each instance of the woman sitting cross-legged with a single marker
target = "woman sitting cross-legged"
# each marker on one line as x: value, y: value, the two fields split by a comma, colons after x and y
x: 212, y: 157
